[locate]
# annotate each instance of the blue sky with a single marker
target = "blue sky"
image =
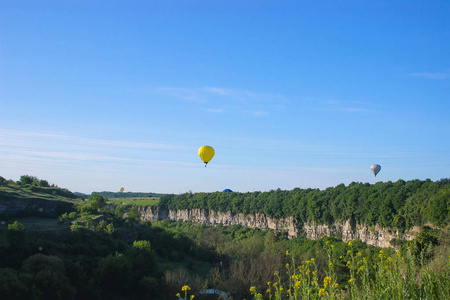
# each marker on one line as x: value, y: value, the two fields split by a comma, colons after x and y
x: 96, y: 95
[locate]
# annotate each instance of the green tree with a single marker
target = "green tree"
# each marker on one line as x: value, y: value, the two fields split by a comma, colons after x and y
x: 96, y: 201
x: 15, y: 233
x: 48, y: 277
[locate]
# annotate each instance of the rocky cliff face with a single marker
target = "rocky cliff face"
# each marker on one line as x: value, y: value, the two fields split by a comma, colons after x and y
x: 348, y: 230
x: 35, y: 206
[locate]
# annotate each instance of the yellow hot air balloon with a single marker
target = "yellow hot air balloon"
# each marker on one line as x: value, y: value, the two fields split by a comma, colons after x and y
x: 206, y: 153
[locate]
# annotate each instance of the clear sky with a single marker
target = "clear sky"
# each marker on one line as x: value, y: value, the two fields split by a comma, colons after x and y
x: 97, y: 95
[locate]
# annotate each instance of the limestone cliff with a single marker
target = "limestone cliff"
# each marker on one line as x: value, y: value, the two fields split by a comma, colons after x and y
x: 347, y: 230
x: 35, y: 206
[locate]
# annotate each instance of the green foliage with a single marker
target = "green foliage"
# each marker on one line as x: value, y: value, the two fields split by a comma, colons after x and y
x: 15, y: 233
x: 48, y: 277
x: 401, y: 204
x: 12, y: 285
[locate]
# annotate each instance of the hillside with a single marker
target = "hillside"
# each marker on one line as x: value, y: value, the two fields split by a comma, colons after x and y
x: 32, y: 196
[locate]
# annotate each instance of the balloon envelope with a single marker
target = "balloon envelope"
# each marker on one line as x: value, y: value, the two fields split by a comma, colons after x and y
x: 227, y: 191
x: 375, y: 169
x: 206, y: 153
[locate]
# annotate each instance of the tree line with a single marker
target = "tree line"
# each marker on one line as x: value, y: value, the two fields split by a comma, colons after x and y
x: 401, y: 204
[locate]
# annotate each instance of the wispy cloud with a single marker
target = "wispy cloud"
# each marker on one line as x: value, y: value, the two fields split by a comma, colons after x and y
x: 215, y: 110
x: 341, y: 105
x: 228, y: 100
x: 430, y: 75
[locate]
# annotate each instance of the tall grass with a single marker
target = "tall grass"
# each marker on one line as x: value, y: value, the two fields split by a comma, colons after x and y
x: 400, y: 276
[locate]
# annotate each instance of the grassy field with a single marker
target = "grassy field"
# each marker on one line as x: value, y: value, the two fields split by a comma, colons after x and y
x: 143, y: 201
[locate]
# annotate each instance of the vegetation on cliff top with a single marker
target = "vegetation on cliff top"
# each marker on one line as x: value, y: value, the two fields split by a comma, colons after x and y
x: 33, y: 187
x: 401, y: 204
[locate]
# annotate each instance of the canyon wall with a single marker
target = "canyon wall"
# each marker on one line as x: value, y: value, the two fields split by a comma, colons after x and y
x: 346, y: 230
x: 33, y: 206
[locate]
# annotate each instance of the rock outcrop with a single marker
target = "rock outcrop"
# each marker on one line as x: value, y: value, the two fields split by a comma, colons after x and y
x: 33, y: 206
x: 346, y: 230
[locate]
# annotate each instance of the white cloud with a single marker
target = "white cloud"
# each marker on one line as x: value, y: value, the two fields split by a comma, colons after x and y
x: 215, y: 110
x: 429, y: 75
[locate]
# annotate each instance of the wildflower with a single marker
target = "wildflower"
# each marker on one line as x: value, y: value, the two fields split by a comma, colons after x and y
x: 327, y: 242
x: 185, y: 288
x: 287, y: 265
x: 307, y: 262
x: 281, y: 289
x: 275, y: 283
x: 381, y: 251
x: 346, y: 287
x: 348, y: 263
x: 192, y: 297
x: 287, y: 252
x: 350, y: 280
x: 374, y: 266
x: 336, y: 285
x: 259, y: 296
x: 178, y: 295
x: 268, y: 291
x: 252, y: 289
x: 350, y: 243
x: 340, y: 257
x: 269, y: 283
x: 330, y: 264
x: 348, y: 251
x: 359, y: 254
x: 326, y: 281
x: 312, y: 259
x: 323, y: 292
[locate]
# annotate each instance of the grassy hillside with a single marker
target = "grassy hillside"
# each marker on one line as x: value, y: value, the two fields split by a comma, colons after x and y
x: 36, y: 189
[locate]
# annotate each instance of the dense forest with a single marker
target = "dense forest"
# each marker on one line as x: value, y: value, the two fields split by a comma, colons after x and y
x: 401, y: 204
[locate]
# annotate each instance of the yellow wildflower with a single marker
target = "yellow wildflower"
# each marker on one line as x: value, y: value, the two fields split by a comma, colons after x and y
x: 178, y: 295
x: 287, y: 265
x: 350, y: 280
x: 287, y: 252
x: 312, y: 259
x: 323, y: 292
x: 326, y: 281
x: 192, y: 297
x: 185, y: 288
x: 307, y: 262
x: 350, y: 243
x: 359, y: 254
x: 268, y: 291
x: 281, y: 289
x: 269, y: 283
x: 348, y: 263
x: 336, y: 285
x: 252, y: 289
x: 259, y: 296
